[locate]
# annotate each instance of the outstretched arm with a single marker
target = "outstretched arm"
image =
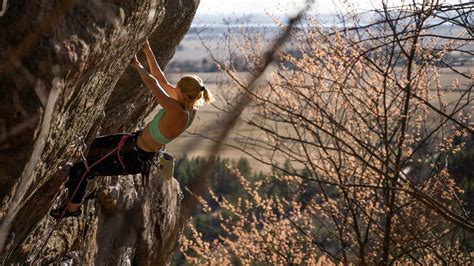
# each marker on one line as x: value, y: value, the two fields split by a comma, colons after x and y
x: 167, y: 102
x: 156, y: 71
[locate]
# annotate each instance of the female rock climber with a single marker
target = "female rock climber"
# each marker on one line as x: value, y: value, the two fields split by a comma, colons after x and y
x: 136, y: 150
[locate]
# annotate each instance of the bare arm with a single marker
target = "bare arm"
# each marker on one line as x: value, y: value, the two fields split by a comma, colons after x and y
x: 156, y: 71
x: 167, y: 102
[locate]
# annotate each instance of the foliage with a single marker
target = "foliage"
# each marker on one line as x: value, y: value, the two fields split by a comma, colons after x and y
x: 361, y: 135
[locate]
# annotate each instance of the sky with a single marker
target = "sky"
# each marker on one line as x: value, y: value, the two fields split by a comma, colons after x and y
x: 261, y: 6
x: 215, y: 11
x: 226, y: 7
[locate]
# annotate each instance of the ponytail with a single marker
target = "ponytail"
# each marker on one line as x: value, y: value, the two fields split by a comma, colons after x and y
x: 195, y: 93
x: 207, y: 95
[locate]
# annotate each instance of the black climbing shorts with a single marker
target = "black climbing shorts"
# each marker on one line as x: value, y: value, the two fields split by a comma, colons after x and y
x: 134, y: 159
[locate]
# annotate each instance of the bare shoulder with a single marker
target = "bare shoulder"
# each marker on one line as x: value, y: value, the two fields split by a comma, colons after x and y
x: 169, y: 86
x: 171, y: 90
x: 175, y: 108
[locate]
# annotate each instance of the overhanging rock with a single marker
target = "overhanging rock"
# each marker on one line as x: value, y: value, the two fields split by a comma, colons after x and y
x: 60, y: 65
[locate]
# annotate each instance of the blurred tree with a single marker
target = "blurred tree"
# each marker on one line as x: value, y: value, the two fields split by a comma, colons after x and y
x: 353, y: 113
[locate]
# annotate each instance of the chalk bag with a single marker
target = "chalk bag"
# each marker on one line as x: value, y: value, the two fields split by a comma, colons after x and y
x: 166, y: 166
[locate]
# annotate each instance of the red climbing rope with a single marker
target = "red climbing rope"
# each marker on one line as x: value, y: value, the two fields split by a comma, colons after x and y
x: 119, y: 147
x: 88, y: 168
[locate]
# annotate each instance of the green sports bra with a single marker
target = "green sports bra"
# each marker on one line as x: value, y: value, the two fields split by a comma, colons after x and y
x: 155, y: 130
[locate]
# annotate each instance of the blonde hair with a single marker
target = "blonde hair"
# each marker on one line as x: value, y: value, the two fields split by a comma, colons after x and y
x: 194, y: 92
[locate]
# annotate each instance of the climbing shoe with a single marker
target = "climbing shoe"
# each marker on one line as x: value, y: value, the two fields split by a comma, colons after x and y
x: 56, y: 213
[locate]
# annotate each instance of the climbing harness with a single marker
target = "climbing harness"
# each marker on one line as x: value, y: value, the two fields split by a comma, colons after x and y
x: 88, y: 168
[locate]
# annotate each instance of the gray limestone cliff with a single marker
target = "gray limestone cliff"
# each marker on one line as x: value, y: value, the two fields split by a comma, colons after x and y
x: 65, y: 79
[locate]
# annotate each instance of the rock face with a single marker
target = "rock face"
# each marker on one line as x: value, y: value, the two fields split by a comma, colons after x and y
x: 64, y: 79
